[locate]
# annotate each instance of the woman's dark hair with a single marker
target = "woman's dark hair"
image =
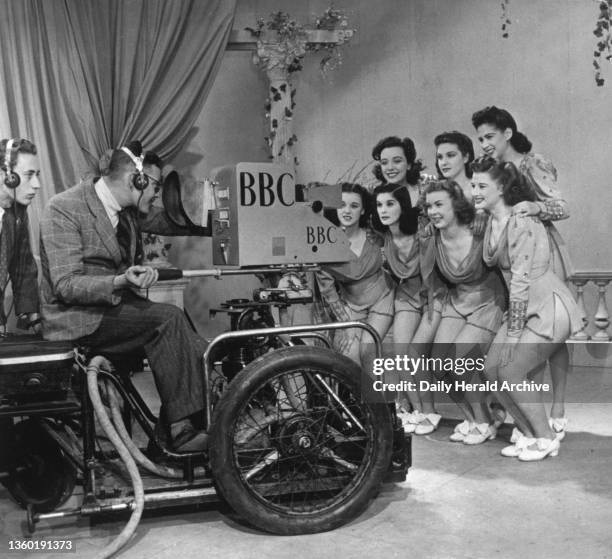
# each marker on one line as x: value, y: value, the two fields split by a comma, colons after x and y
x: 366, y: 202
x: 463, y: 143
x: 409, y: 218
x: 515, y: 188
x: 463, y: 208
x: 502, y: 119
x: 413, y: 174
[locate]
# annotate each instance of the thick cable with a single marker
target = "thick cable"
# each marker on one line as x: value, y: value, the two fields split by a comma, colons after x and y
x: 139, y: 457
x: 94, y: 366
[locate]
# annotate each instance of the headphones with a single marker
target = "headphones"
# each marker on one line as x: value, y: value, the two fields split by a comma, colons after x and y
x: 11, y: 179
x: 140, y: 181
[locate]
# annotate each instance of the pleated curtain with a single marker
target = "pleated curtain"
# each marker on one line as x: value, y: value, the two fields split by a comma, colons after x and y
x: 80, y: 76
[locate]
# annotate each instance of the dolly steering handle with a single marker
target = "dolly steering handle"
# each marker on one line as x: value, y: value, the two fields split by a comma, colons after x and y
x: 166, y: 274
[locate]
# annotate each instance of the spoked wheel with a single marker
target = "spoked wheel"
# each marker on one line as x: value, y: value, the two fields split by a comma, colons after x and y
x: 293, y: 448
x: 42, y: 476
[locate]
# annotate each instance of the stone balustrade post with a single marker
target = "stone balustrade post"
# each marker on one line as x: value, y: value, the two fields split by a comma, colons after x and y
x: 602, y: 317
x: 580, y: 283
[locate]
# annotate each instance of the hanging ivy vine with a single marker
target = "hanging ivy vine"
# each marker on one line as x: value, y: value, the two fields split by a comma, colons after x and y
x: 505, y: 18
x: 602, y: 31
x: 603, y: 48
x: 291, y: 39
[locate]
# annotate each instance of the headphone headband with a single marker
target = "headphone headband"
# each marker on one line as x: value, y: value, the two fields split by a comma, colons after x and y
x: 140, y: 181
x: 137, y: 160
x: 11, y: 179
x: 8, y: 153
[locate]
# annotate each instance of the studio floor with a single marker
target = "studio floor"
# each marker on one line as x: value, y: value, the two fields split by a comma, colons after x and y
x: 457, y: 502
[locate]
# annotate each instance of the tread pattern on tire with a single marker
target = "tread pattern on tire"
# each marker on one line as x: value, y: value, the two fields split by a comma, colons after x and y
x: 243, y: 389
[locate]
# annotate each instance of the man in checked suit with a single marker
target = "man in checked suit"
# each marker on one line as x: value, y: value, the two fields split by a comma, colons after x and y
x: 19, y: 183
x: 90, y: 277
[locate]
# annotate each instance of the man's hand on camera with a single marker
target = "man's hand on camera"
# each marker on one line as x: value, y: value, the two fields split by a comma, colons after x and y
x: 141, y: 277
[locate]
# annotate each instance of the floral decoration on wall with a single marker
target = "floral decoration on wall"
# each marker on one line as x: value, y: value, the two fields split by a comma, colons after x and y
x: 282, y: 44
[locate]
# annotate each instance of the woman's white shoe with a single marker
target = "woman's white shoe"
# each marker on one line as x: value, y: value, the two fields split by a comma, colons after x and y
x: 540, y: 449
x: 410, y: 420
x: 516, y: 435
x: 428, y: 424
x: 461, y: 431
x: 479, y: 433
x: 558, y: 426
x: 520, y: 443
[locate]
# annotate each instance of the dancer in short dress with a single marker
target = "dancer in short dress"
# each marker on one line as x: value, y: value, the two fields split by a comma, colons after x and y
x: 473, y: 306
x: 499, y: 138
x: 358, y: 289
x: 398, y: 221
x: 542, y: 312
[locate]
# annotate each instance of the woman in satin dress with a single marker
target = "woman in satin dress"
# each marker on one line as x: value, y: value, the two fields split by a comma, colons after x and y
x: 357, y: 289
x: 472, y: 309
x: 542, y: 313
x: 500, y: 138
x: 416, y: 316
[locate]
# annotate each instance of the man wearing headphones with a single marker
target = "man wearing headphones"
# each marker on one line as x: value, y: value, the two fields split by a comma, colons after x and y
x: 90, y: 257
x: 19, y: 182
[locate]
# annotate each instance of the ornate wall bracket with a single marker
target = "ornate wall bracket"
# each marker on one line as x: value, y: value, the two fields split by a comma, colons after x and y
x: 279, y: 47
x: 281, y: 58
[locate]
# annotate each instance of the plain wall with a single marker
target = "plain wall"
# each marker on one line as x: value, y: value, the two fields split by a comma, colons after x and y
x: 417, y: 68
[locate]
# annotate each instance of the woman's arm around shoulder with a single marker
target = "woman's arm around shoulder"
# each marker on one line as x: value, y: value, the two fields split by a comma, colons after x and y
x: 550, y: 202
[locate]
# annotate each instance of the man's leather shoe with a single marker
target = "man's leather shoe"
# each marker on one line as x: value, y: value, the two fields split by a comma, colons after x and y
x: 190, y: 440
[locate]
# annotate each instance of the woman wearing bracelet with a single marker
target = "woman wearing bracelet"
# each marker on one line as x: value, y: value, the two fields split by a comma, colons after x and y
x: 499, y: 138
x: 542, y: 312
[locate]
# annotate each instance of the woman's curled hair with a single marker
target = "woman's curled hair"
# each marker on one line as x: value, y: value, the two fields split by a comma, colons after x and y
x: 502, y: 119
x: 515, y: 187
x: 463, y: 208
x: 464, y: 145
x: 413, y: 175
x: 366, y: 202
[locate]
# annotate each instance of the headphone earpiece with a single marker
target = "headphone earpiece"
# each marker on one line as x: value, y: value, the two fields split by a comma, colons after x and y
x: 11, y: 179
x: 140, y: 181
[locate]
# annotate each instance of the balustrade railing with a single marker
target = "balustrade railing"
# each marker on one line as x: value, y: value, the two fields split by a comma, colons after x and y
x: 600, y: 320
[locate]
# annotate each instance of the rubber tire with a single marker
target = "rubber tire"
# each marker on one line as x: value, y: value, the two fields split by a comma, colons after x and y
x: 227, y: 476
x: 51, y: 481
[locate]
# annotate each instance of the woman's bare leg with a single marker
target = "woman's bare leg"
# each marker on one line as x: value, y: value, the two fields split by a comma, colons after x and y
x: 468, y: 341
x: 491, y: 372
x: 559, y: 366
x: 413, y: 334
x: 366, y: 349
x: 530, y: 356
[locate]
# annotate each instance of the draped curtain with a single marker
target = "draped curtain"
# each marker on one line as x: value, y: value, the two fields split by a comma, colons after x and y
x: 80, y: 76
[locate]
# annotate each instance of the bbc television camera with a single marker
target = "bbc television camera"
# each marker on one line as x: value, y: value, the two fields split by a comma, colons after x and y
x: 294, y: 448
